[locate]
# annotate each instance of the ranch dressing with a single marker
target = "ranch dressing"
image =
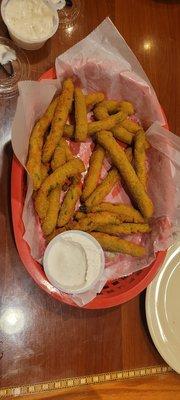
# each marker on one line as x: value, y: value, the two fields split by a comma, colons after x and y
x: 6, y: 54
x: 29, y: 19
x: 60, y: 4
x: 68, y: 264
x: 73, y: 262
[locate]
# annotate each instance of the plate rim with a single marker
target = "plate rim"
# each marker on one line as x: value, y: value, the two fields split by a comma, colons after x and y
x: 151, y: 312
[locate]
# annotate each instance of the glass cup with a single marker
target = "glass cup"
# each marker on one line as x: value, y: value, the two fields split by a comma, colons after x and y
x: 68, y: 11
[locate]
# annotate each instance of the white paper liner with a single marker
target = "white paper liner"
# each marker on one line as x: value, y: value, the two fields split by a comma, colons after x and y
x: 104, y: 62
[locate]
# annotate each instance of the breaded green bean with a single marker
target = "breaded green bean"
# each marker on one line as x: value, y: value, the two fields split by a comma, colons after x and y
x: 127, y: 172
x: 59, y: 156
x: 36, y: 144
x: 79, y: 214
x: 131, y: 126
x: 97, y: 126
x: 103, y: 189
x: 69, y: 203
x: 113, y: 106
x: 114, y: 244
x: 107, y: 123
x: 129, y: 154
x: 44, y: 171
x: 140, y: 157
x: 100, y: 112
x: 57, y: 178
x: 122, y: 134
x: 127, y: 107
x: 60, y: 117
x: 93, y: 98
x: 68, y: 131
x: 129, y: 213
x: 50, y: 221
x: 94, y: 220
x: 94, y: 170
x: 69, y: 155
x: 126, y: 228
x: 80, y: 116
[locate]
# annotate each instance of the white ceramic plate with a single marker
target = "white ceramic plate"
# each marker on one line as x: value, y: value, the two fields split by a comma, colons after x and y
x: 163, y: 308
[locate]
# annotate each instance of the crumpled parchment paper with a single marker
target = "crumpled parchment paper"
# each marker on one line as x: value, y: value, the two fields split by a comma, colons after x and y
x: 104, y: 62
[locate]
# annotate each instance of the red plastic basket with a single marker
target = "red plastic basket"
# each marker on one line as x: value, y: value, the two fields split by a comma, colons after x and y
x: 114, y: 293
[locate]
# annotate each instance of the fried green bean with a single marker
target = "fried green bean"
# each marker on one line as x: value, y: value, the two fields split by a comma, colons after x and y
x: 36, y: 145
x: 103, y: 189
x: 93, y: 220
x: 115, y: 244
x: 126, y: 228
x: 50, y: 221
x: 130, y: 125
x: 94, y: 170
x: 129, y: 213
x: 80, y: 116
x: 122, y: 134
x: 60, y: 117
x: 69, y: 203
x: 93, y: 98
x: 57, y: 178
x: 140, y: 157
x: 127, y: 172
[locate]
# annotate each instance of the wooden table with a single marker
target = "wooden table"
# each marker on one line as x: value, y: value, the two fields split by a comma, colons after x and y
x: 55, y: 341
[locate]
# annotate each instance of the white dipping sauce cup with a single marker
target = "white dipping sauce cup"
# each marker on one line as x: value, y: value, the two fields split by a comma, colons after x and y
x: 74, y: 235
x: 30, y: 44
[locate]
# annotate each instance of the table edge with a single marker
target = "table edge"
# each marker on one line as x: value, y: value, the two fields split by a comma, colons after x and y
x: 65, y: 383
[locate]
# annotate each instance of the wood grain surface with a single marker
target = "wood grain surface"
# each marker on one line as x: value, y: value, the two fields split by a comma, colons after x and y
x: 44, y: 339
x: 164, y: 387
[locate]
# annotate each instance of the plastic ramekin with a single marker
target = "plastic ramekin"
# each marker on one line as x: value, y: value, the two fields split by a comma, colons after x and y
x: 30, y: 44
x: 74, y: 234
